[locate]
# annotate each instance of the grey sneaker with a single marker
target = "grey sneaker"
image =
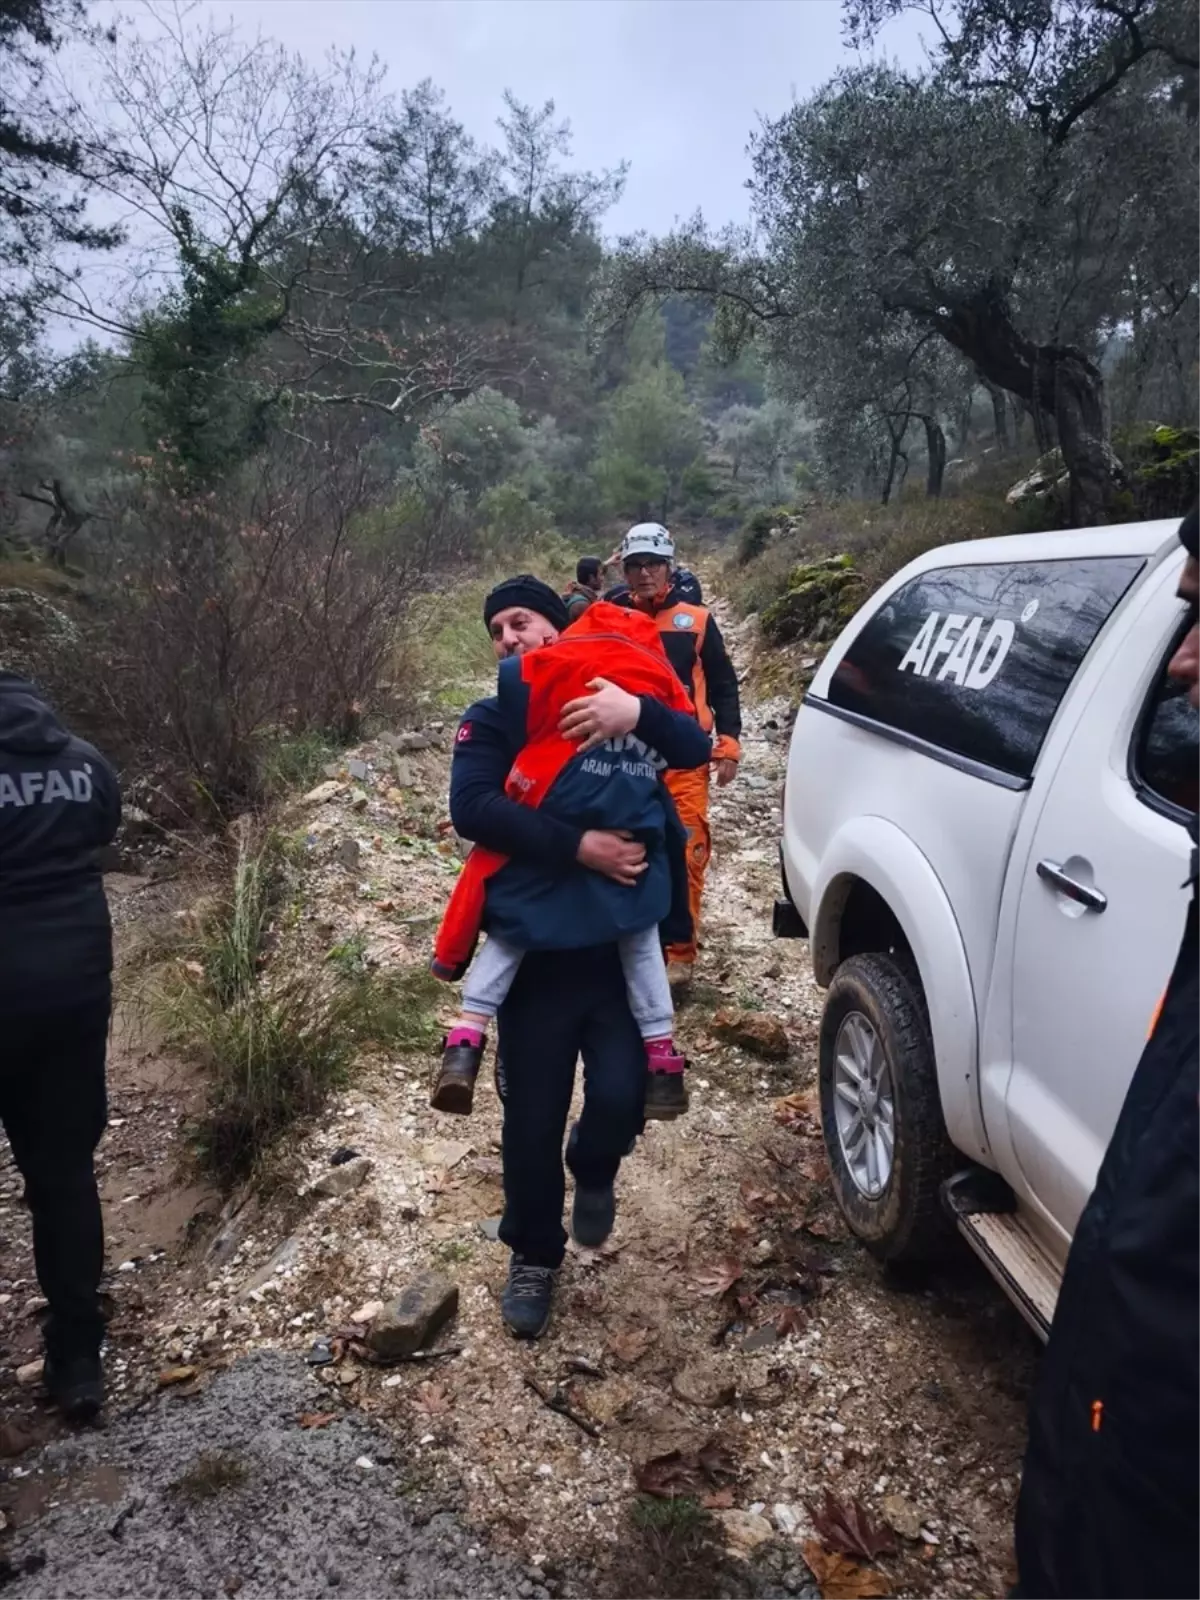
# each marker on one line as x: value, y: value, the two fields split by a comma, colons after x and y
x: 527, y: 1298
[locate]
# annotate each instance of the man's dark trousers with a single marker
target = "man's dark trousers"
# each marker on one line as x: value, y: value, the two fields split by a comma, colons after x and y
x: 53, y: 1106
x: 564, y: 1004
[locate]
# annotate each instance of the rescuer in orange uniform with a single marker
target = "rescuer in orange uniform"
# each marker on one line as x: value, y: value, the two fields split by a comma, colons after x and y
x: 697, y: 651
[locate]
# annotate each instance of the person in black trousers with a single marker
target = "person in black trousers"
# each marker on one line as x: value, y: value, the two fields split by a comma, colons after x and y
x: 59, y: 803
x: 569, y: 997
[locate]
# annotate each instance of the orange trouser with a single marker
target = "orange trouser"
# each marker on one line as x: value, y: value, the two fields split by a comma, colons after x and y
x: 689, y: 790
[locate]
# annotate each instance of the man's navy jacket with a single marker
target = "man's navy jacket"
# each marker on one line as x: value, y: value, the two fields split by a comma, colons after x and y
x: 59, y: 803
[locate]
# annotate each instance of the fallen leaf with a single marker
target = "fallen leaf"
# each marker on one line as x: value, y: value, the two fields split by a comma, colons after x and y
x: 437, y: 1182
x: 792, y: 1319
x: 841, y: 1579
x: 316, y: 1419
x: 717, y: 1500
x: 715, y: 1462
x: 631, y: 1345
x: 820, y: 1229
x: 434, y: 1399
x: 174, y: 1375
x: 669, y: 1476
x: 676, y: 1473
x: 795, y: 1108
x: 846, y: 1527
x: 718, y: 1279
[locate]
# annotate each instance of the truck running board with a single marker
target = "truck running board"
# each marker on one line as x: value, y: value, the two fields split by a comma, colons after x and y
x: 984, y: 1212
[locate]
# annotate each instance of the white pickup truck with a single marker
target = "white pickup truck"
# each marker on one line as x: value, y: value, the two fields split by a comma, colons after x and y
x: 984, y: 839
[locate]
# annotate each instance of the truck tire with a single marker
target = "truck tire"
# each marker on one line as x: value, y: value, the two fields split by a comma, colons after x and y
x: 875, y: 1022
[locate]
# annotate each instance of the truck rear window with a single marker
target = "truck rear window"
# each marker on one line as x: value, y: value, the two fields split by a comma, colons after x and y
x: 975, y: 660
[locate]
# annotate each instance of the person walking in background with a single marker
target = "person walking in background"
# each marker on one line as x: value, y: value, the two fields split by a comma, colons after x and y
x: 589, y: 581
x: 59, y: 804
x: 686, y: 583
x: 1110, y: 1494
x: 697, y: 651
x: 569, y: 893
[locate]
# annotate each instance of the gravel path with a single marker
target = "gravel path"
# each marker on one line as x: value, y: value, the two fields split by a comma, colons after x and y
x: 225, y: 1493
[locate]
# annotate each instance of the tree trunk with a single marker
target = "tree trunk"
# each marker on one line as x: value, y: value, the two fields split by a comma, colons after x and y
x: 1054, y: 381
x: 890, y: 479
x: 962, y: 425
x: 1082, y: 417
x: 999, y: 416
x: 935, y: 444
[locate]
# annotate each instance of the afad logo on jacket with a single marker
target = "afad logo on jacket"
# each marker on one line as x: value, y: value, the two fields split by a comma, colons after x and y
x: 44, y: 788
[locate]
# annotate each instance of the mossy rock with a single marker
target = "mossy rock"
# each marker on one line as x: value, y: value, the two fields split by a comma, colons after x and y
x: 821, y: 596
x: 1163, y: 464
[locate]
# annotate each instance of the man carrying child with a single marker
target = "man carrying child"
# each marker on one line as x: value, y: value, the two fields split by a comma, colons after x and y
x: 579, y: 862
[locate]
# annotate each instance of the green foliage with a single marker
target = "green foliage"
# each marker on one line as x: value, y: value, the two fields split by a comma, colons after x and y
x: 273, y: 1044
x: 212, y: 1473
x: 42, y: 199
x: 698, y: 487
x: 679, y: 1515
x: 201, y: 404
x: 918, y: 231
x: 756, y: 534
x: 650, y: 435
x: 631, y: 488
x: 508, y: 516
x: 876, y: 541
x: 1163, y: 464
x: 820, y: 597
x: 289, y: 761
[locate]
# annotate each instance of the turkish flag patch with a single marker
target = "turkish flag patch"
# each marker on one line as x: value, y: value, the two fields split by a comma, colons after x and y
x: 463, y: 734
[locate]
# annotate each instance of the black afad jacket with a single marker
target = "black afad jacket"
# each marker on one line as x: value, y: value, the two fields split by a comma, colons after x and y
x: 1110, y: 1495
x: 59, y: 803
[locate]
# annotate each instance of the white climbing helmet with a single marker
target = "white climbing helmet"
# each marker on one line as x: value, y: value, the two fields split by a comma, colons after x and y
x: 648, y: 539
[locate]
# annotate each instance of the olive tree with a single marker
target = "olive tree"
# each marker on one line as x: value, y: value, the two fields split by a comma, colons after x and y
x: 1000, y: 201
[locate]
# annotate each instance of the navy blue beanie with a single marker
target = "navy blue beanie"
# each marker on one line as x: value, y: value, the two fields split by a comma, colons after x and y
x: 530, y: 592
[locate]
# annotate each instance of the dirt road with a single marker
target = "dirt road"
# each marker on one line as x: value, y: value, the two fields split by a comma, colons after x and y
x: 729, y: 1306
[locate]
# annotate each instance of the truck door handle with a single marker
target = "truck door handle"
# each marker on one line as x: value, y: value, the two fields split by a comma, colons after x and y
x: 1088, y: 897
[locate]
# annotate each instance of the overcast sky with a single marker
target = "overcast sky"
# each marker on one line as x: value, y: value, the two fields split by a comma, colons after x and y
x: 672, y: 86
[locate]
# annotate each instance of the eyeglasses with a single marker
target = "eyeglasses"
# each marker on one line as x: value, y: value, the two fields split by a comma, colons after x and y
x: 643, y: 563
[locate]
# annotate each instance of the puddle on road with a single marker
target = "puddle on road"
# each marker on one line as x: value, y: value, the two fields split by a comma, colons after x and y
x: 27, y: 1499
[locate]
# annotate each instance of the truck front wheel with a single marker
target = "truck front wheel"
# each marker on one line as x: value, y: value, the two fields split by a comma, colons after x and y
x: 881, y: 1113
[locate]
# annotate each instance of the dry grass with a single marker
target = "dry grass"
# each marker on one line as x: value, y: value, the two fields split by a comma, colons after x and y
x: 211, y: 1474
x: 274, y: 1039
x: 881, y: 539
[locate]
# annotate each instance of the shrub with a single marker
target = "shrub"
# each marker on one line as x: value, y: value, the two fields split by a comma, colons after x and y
x: 249, y: 618
x: 273, y: 1044
x: 756, y: 533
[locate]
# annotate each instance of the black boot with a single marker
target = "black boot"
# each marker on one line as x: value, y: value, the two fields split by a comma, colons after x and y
x: 454, y: 1086
x: 76, y: 1385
